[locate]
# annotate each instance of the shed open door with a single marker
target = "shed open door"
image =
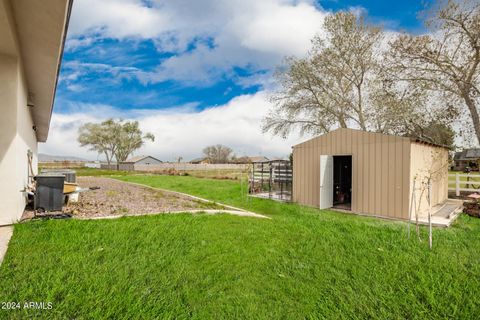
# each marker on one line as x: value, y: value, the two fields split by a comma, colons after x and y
x: 326, y: 181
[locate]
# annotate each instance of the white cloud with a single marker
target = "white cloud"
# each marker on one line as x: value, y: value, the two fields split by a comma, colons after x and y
x: 256, y: 36
x: 74, y: 71
x: 116, y: 19
x: 178, y: 131
x: 208, y: 39
x: 279, y: 28
x: 236, y: 33
x: 75, y: 43
x: 75, y: 87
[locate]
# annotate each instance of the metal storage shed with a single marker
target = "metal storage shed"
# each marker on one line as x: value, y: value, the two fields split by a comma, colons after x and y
x: 368, y: 173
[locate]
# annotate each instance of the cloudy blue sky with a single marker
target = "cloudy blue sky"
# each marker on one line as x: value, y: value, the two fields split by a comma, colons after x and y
x: 193, y: 73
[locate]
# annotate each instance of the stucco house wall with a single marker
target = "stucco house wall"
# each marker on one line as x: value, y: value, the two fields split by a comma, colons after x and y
x: 25, y: 76
x: 16, y: 137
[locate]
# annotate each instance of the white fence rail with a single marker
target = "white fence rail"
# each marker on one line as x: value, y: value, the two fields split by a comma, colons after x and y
x: 463, y: 182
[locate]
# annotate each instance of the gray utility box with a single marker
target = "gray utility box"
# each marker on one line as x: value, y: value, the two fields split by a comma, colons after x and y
x: 49, y: 192
x: 70, y: 175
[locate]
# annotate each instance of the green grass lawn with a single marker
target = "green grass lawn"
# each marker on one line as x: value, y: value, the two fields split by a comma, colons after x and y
x: 93, y: 172
x: 214, y: 174
x: 302, y: 263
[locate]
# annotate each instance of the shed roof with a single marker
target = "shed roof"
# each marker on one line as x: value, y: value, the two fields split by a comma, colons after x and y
x: 414, y: 140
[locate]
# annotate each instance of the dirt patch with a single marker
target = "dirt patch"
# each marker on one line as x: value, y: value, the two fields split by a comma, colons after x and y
x: 463, y: 195
x: 119, y: 198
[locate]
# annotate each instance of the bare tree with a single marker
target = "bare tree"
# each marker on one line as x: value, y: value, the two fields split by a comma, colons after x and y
x: 330, y: 87
x: 447, y: 60
x: 218, y: 153
x: 349, y: 79
x: 405, y: 109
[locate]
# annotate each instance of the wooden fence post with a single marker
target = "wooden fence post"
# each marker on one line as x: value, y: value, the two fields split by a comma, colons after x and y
x: 430, y: 213
x: 457, y: 184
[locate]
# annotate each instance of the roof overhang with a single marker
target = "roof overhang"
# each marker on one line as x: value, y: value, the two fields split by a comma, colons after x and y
x: 412, y: 140
x: 7, y: 38
x: 431, y: 144
x: 41, y: 28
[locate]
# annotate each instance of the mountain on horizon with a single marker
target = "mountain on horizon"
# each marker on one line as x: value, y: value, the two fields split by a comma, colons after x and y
x: 42, y: 157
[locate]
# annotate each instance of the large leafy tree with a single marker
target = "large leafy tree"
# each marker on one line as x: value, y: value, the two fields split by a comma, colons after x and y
x: 130, y: 138
x: 114, y: 139
x: 350, y: 80
x: 100, y: 137
x: 404, y: 108
x: 331, y: 87
x: 447, y: 60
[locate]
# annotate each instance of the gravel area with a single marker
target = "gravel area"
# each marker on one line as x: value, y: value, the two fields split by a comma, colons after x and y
x: 119, y: 198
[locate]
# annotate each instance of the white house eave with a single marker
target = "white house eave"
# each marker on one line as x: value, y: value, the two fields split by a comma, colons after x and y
x: 41, y: 28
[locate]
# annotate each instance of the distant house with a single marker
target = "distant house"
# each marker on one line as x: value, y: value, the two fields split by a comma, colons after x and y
x: 202, y: 160
x: 466, y: 158
x: 135, y: 163
x: 146, y: 160
x: 93, y: 165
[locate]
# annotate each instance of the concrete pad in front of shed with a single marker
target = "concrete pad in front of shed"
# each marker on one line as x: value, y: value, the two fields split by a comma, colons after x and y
x: 443, y: 214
